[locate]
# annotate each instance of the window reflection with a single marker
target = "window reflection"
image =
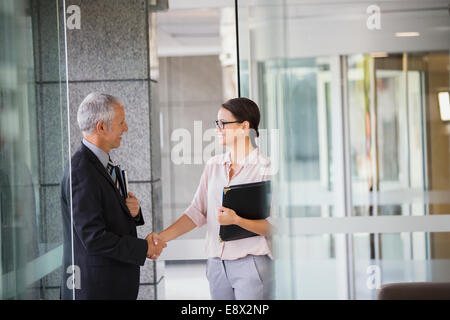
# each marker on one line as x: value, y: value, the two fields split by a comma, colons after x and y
x: 30, y: 232
x: 341, y: 94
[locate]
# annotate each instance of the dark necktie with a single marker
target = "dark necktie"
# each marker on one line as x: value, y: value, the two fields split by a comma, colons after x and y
x: 112, y: 170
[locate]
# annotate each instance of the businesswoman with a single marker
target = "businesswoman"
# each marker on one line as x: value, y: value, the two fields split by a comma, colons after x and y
x: 239, y: 269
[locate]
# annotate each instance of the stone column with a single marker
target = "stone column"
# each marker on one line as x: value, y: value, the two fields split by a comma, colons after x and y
x: 110, y: 52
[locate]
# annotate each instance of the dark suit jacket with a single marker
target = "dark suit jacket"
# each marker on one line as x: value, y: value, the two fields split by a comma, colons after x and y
x: 105, y: 244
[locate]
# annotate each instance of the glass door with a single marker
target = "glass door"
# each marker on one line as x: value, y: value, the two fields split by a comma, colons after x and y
x: 351, y: 101
x: 33, y: 148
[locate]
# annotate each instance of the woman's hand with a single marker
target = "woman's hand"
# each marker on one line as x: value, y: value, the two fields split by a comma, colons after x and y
x: 227, y: 216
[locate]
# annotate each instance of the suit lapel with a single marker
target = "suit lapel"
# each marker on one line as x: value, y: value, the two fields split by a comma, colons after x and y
x: 98, y: 165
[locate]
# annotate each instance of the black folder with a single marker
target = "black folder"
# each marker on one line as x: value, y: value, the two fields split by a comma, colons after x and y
x: 249, y: 201
x: 123, y: 181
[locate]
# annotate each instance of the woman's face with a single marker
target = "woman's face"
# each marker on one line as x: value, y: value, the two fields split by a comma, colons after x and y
x: 232, y: 132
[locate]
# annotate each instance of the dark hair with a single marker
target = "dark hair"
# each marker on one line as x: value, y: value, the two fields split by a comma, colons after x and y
x: 244, y: 109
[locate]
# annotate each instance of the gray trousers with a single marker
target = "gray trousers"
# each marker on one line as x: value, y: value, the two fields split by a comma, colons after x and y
x: 248, y: 278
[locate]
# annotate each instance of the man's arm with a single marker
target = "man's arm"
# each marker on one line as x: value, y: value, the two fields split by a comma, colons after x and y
x: 91, y: 228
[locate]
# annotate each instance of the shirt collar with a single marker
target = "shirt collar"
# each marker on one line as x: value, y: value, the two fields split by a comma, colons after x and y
x: 250, y: 158
x: 99, y: 153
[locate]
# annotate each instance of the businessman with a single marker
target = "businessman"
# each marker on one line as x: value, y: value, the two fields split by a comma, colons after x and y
x: 107, y: 254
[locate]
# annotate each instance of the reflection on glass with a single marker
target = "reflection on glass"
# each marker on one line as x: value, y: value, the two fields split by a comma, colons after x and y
x: 403, y: 259
x: 361, y: 134
x: 30, y: 232
x: 386, y: 115
x: 298, y: 92
x: 194, y: 80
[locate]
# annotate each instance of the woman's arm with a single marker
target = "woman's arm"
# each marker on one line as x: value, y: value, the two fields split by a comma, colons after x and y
x: 183, y: 225
x: 261, y: 227
x: 228, y: 216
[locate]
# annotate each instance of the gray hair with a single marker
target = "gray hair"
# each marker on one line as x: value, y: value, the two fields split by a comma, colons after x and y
x: 94, y: 108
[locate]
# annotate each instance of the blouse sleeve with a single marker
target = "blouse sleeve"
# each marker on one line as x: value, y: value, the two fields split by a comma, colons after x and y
x: 198, y: 208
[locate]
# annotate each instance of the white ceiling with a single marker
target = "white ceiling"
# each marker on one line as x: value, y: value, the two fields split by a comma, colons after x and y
x: 191, y: 27
x: 301, y: 27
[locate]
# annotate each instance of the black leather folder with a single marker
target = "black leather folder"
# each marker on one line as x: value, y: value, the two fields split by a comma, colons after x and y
x: 123, y: 181
x: 249, y: 201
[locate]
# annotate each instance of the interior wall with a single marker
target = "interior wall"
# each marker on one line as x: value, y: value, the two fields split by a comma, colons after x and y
x: 190, y: 90
x: 439, y: 146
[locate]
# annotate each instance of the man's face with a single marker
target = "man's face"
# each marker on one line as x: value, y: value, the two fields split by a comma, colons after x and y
x: 113, y: 136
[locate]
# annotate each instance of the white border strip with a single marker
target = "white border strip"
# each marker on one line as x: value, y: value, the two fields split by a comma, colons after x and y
x: 313, y: 197
x: 68, y: 132
x: 194, y: 249
x: 379, y: 224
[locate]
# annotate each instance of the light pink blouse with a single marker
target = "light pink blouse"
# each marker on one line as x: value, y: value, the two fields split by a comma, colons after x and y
x: 208, y: 198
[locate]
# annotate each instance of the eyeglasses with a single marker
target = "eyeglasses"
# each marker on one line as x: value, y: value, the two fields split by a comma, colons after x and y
x: 221, y: 124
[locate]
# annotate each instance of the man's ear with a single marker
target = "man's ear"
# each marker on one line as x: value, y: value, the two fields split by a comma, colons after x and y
x: 101, y: 127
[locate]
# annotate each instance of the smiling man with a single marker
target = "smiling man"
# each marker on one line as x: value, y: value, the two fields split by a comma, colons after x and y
x: 107, y: 254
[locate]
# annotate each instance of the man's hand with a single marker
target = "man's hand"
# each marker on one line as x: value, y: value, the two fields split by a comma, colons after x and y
x: 133, y: 204
x: 155, y: 245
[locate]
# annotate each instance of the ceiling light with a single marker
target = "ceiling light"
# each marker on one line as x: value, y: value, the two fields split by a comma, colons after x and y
x: 407, y: 34
x: 444, y: 105
x: 379, y: 55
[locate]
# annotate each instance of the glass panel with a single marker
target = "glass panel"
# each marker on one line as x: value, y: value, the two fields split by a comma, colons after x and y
x: 197, y: 73
x: 403, y: 259
x: 33, y: 148
x: 318, y: 272
x: 389, y: 131
x: 306, y: 150
x: 354, y: 100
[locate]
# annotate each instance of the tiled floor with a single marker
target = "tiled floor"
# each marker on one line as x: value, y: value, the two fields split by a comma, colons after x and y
x: 186, y: 280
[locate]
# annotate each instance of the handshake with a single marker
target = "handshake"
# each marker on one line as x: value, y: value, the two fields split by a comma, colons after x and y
x: 155, y: 245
